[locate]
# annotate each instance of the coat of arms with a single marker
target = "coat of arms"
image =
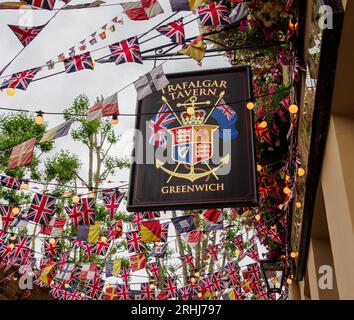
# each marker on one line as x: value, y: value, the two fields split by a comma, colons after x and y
x: 192, y: 136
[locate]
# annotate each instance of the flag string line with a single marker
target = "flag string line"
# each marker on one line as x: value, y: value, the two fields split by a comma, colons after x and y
x: 42, y: 238
x: 180, y: 275
x: 106, y: 46
x: 151, y: 113
x: 18, y: 54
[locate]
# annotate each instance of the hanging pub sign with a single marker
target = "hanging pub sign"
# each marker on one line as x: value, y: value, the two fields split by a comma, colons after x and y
x: 194, y: 144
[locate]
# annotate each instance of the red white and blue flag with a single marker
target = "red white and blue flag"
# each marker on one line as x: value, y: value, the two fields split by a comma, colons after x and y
x: 134, y: 242
x: 43, y: 4
x: 26, y: 34
x: 174, y: 30
x: 126, y: 51
x: 112, y: 203
x: 41, y: 209
x: 20, y: 80
x: 158, y: 126
x: 214, y: 14
x: 78, y: 63
x: 146, y: 292
x: 6, y: 216
x: 10, y: 182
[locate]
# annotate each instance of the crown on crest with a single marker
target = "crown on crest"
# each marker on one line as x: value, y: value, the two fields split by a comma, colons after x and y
x: 197, y: 117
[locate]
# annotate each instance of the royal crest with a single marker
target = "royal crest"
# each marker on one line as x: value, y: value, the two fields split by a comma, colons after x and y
x: 192, y: 141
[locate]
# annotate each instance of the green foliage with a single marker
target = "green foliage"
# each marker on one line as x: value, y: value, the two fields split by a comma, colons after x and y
x: 62, y: 167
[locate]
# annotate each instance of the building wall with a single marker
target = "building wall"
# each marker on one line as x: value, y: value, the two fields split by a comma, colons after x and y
x: 332, y: 235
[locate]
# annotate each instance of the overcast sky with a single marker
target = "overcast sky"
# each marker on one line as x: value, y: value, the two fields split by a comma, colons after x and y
x: 64, y: 31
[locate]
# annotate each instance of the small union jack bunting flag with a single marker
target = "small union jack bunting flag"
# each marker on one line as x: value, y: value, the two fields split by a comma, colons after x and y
x: 41, y: 209
x: 134, y: 242
x: 10, y: 182
x: 78, y: 63
x: 26, y: 34
x: 174, y: 30
x: 213, y: 14
x: 6, y: 216
x: 20, y: 80
x: 126, y: 51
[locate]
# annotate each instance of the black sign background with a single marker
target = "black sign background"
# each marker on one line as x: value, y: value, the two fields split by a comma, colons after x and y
x: 240, y: 186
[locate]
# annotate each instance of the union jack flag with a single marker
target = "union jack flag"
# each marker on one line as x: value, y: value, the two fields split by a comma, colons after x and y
x: 146, y: 292
x: 112, y: 203
x: 123, y: 292
x: 6, y: 216
x: 218, y: 281
x: 151, y: 215
x: 164, y: 231
x: 226, y: 110
x: 213, y: 251
x: 274, y: 235
x: 138, y: 217
x: 126, y: 51
x: 187, y: 259
x: 10, y: 182
x: 174, y: 30
x: 26, y: 34
x: 51, y: 249
x: 20, y: 80
x: 154, y: 268
x: 252, y: 252
x: 100, y: 248
x: 74, y: 213
x: 41, y: 209
x: 134, y: 242
x: 22, y: 250
x: 159, y: 124
x: 170, y: 287
x: 44, y: 4
x: 125, y: 273
x: 87, y: 211
x: 252, y: 272
x: 94, y: 288
x: 56, y: 290
x: 185, y: 293
x: 214, y: 14
x: 78, y: 63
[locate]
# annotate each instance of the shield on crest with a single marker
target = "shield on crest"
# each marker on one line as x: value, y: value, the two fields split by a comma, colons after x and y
x: 192, y: 144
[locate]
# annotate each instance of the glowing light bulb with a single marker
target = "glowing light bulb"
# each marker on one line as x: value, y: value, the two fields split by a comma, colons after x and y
x: 25, y: 185
x: 263, y: 124
x: 301, y: 172
x: 114, y: 120
x: 286, y: 190
x: 259, y: 167
x: 293, y: 108
x: 281, y: 206
x: 293, y: 254
x: 10, y: 91
x: 15, y: 211
x: 11, y: 246
x: 66, y: 285
x: 196, y: 274
x: 52, y: 241
x: 237, y: 251
x: 104, y: 239
x: 76, y: 199
x: 193, y: 280
x: 257, y: 217
x: 289, y: 281
x: 250, y: 105
x: 298, y: 204
x: 39, y: 118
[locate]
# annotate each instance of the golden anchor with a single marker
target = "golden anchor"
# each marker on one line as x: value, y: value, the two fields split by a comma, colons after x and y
x: 192, y: 176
